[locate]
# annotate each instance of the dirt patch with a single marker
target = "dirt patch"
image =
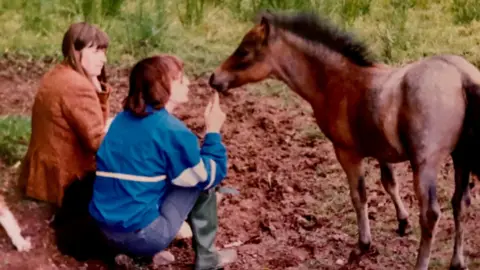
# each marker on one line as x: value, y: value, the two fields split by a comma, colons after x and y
x: 293, y: 210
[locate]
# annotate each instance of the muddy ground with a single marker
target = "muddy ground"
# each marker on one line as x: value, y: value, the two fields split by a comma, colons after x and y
x: 293, y: 210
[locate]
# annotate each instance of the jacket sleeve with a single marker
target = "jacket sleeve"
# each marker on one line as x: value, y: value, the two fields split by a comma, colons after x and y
x: 83, y: 112
x: 191, y: 166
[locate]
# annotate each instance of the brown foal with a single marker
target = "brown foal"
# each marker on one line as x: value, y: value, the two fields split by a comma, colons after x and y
x: 420, y: 112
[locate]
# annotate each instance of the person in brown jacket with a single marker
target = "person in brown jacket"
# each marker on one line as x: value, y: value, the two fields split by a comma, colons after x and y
x: 69, y: 115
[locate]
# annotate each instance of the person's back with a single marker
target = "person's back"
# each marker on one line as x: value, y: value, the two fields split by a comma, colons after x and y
x: 68, y: 117
x: 52, y: 129
x: 152, y: 174
x: 132, y: 169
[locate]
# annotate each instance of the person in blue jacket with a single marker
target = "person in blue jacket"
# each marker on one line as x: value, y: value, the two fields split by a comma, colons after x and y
x: 152, y: 175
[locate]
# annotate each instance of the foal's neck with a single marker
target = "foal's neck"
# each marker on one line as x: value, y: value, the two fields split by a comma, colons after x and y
x: 321, y: 76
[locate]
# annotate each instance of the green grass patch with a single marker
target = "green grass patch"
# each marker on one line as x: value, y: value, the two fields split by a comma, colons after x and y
x: 14, y: 136
x: 204, y: 32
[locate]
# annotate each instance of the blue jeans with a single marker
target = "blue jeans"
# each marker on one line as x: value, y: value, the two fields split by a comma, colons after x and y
x: 160, y: 233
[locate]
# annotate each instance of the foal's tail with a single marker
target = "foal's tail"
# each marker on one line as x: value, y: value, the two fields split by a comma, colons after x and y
x: 471, y: 85
x: 472, y: 122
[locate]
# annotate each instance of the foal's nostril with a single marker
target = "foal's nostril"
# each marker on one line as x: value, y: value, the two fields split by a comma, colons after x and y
x: 215, y: 84
x: 211, y: 80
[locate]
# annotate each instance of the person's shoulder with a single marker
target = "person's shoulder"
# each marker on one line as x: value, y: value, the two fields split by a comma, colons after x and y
x: 175, y: 125
x: 64, y: 79
x: 175, y: 130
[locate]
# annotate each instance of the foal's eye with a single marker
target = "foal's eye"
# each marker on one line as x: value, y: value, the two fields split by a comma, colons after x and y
x: 241, y: 52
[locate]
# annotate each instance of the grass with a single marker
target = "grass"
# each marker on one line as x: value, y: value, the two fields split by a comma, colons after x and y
x: 14, y: 136
x: 203, y: 32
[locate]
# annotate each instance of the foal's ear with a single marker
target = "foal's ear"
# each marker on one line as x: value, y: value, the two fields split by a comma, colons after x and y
x: 265, y: 28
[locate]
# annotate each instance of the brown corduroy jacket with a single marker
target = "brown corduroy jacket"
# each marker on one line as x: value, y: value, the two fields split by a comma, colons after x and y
x: 68, y: 120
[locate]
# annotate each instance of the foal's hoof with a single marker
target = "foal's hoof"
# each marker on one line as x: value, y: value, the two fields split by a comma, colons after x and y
x: 364, y: 247
x: 458, y: 267
x: 402, y: 227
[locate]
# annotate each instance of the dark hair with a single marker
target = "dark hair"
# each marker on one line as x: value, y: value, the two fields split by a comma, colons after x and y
x: 150, y: 81
x: 78, y: 36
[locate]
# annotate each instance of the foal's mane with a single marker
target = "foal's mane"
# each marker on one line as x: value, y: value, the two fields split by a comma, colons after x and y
x: 315, y: 29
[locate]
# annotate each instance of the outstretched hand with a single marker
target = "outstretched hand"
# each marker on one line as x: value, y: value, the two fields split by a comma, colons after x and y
x: 214, y: 116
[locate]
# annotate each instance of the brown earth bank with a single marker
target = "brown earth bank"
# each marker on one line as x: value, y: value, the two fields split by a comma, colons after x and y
x: 293, y: 210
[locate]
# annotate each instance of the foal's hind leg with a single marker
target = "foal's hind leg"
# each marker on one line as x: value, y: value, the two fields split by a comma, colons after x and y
x: 390, y: 185
x: 425, y: 176
x: 352, y: 165
x: 462, y: 177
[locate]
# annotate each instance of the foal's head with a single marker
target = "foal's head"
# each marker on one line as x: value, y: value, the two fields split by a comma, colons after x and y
x: 292, y: 41
x: 249, y: 62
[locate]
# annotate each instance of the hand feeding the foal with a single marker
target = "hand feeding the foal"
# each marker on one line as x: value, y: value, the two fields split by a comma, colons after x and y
x: 214, y: 116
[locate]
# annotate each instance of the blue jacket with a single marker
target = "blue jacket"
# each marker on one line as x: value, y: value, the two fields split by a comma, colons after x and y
x: 140, y: 159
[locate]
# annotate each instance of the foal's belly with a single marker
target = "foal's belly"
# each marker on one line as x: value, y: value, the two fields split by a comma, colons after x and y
x: 386, y: 153
x: 382, y: 144
x: 368, y: 141
x: 378, y: 136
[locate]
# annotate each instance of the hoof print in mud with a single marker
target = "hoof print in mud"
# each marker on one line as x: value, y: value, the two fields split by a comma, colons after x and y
x: 364, y: 250
x: 308, y: 222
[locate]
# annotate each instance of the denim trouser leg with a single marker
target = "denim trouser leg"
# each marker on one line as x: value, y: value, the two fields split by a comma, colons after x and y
x: 160, y: 233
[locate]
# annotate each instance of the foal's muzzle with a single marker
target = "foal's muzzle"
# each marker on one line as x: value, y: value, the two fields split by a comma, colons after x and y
x: 217, y: 83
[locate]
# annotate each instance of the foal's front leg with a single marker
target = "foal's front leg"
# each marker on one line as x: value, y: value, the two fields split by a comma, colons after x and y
x: 351, y: 163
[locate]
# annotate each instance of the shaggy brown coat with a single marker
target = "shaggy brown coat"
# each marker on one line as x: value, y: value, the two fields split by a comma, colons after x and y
x: 68, y: 120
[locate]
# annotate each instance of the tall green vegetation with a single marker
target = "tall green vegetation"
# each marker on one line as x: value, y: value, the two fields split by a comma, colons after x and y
x: 205, y: 31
